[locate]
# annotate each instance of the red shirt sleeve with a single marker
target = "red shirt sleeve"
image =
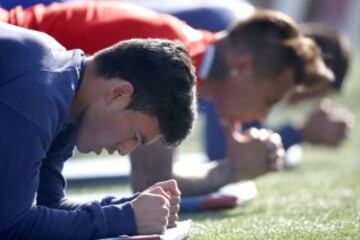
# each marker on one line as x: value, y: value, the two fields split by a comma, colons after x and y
x: 93, y: 26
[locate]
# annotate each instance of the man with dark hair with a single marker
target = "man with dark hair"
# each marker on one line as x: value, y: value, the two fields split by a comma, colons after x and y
x: 52, y: 100
x: 230, y: 70
x: 154, y: 90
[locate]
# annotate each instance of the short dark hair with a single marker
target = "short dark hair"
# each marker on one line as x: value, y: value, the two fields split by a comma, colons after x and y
x: 276, y: 43
x: 163, y: 78
x: 335, y: 49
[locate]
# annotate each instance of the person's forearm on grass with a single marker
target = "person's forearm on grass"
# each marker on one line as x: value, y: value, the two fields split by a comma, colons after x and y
x: 249, y: 157
x: 207, y: 178
x: 159, y: 167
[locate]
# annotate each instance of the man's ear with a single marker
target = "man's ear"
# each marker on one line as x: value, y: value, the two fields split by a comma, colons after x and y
x: 121, y: 90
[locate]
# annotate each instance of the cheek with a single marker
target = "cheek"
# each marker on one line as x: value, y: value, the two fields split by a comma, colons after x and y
x: 116, y: 129
x: 93, y: 127
x: 227, y: 105
x: 232, y: 104
x: 245, y: 102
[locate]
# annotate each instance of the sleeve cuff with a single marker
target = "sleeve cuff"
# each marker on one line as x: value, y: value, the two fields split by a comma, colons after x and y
x: 290, y: 135
x: 113, y: 200
x: 120, y: 220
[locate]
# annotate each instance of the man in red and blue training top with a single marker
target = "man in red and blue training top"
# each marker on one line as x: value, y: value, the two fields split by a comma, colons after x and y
x: 217, y: 16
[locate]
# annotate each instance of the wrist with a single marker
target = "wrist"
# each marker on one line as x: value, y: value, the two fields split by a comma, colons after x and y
x: 120, y: 213
x: 231, y: 171
x: 292, y: 135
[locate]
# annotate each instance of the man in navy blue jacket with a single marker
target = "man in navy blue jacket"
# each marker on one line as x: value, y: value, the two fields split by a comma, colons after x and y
x: 52, y: 100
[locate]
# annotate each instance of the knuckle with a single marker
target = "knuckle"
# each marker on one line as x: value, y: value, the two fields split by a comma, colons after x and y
x: 166, y: 211
x: 175, y: 199
x: 177, y: 208
x: 172, y: 182
x: 159, y: 228
x: 163, y: 211
x: 174, y: 209
x: 162, y: 200
x: 174, y: 217
x: 164, y: 223
x: 156, y: 190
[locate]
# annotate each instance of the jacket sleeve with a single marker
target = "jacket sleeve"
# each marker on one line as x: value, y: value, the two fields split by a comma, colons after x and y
x: 290, y: 135
x: 22, y: 148
x: 52, y: 184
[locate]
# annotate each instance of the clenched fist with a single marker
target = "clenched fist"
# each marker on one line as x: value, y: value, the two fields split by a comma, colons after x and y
x: 327, y: 125
x: 173, y: 195
x: 157, y: 207
x: 254, y: 153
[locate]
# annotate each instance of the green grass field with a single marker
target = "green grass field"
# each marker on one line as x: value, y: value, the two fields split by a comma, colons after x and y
x: 320, y: 199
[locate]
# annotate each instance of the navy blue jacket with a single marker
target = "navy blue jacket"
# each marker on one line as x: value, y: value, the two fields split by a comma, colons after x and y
x: 38, y: 82
x: 9, y: 4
